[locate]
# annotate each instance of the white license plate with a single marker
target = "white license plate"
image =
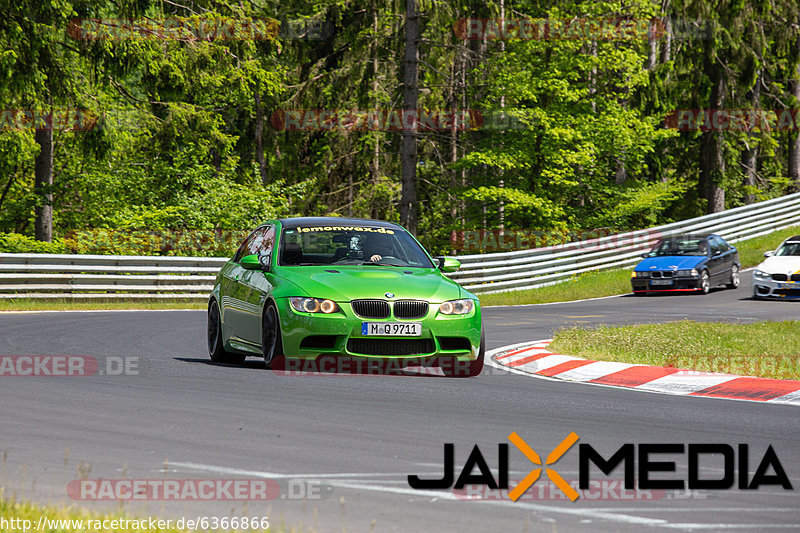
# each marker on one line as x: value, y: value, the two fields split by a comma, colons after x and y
x: 660, y: 282
x: 394, y: 329
x: 787, y: 285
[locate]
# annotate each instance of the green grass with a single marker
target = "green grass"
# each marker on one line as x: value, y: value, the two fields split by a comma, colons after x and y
x: 751, y: 251
x: 589, y: 285
x: 63, y: 304
x: 766, y: 349
x: 11, y: 509
x: 612, y: 282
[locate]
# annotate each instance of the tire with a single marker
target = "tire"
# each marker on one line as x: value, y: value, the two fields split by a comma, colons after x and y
x: 216, y: 344
x: 735, y: 278
x: 705, y: 283
x: 470, y: 369
x: 271, y: 342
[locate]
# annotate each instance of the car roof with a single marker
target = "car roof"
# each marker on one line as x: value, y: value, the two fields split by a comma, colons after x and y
x: 794, y: 239
x: 691, y: 236
x: 335, y: 221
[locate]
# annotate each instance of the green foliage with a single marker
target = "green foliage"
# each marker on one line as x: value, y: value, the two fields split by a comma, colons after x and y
x: 185, y: 140
x: 13, y: 243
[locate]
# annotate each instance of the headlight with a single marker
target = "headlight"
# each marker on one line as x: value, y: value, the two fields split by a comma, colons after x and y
x: 640, y: 274
x: 692, y: 272
x: 457, y: 307
x: 760, y: 274
x: 314, y: 305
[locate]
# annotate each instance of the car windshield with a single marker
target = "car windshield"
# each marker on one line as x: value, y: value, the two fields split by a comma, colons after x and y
x: 789, y: 248
x: 351, y: 245
x: 679, y: 246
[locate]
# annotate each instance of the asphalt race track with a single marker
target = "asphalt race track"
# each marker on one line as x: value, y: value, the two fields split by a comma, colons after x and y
x: 350, y: 441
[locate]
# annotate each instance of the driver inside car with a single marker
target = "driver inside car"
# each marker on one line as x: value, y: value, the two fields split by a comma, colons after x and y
x: 377, y: 246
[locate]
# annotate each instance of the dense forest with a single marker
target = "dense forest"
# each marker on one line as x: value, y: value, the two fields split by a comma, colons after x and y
x: 161, y: 117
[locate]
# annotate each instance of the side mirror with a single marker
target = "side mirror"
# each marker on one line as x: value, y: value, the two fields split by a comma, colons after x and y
x: 769, y: 254
x: 717, y: 252
x: 645, y: 254
x: 448, y: 264
x: 253, y: 262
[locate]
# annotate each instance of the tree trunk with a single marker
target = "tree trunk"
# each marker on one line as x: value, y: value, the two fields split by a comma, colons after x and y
x: 375, y: 169
x: 794, y: 135
x: 501, y: 207
x: 712, y: 163
x: 43, y: 171
x: 666, y: 46
x: 262, y: 165
x: 408, y: 149
x: 750, y: 152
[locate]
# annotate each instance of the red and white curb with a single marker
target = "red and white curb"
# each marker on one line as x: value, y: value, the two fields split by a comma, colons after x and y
x: 534, y: 359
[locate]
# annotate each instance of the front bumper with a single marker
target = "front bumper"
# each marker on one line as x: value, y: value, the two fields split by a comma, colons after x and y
x: 769, y: 288
x: 313, y: 335
x: 676, y: 284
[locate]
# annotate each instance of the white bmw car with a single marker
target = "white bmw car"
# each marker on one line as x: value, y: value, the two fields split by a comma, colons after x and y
x: 779, y: 275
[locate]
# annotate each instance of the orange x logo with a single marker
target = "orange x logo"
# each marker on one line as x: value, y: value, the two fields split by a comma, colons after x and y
x: 554, y: 456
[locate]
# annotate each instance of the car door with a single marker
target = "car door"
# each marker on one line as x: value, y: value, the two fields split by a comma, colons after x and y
x: 256, y: 286
x: 716, y: 262
x: 233, y: 304
x: 728, y: 258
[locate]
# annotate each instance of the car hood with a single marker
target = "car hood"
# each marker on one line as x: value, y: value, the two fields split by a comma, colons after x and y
x: 670, y: 262
x: 781, y: 265
x: 351, y: 282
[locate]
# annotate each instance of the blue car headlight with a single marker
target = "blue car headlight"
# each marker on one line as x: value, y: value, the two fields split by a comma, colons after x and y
x: 692, y: 272
x: 640, y: 274
x: 457, y: 307
x: 314, y: 305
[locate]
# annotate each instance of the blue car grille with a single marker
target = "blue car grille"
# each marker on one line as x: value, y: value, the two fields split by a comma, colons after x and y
x: 664, y: 274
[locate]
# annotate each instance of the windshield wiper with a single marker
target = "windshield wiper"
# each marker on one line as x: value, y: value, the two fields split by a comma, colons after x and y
x: 380, y: 264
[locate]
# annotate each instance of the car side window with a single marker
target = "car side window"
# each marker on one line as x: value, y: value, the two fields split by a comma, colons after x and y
x: 263, y: 243
x: 247, y: 245
x: 715, y: 245
x: 723, y: 246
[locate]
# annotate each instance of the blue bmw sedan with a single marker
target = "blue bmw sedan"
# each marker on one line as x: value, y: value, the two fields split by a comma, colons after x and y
x: 682, y: 263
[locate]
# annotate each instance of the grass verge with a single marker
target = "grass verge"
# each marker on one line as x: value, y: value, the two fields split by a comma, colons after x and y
x: 31, y: 304
x: 765, y: 349
x: 611, y: 282
x: 23, y: 516
x: 589, y: 285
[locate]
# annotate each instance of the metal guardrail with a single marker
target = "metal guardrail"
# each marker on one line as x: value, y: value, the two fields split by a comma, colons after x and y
x: 528, y: 269
x: 159, y: 277
x: 107, y: 276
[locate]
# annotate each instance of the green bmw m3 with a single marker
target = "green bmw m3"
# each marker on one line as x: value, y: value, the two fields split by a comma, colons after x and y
x: 324, y: 291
